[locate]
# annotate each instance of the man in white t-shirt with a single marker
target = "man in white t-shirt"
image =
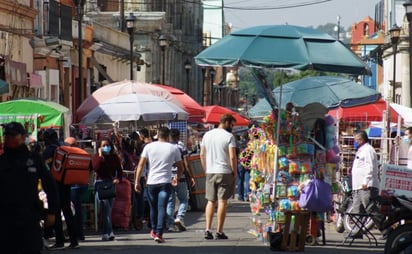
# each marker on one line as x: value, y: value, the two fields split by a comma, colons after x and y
x: 160, y: 156
x: 219, y: 160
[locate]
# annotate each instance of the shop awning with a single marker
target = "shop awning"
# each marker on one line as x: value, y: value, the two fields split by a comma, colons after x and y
x: 4, y: 87
x: 35, y: 81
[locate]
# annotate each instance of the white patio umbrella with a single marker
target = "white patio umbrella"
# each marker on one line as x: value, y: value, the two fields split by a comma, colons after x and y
x: 135, y: 107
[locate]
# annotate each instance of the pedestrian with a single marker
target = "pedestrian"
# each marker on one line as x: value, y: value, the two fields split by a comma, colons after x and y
x: 22, y: 211
x: 64, y: 192
x: 365, y: 184
x: 181, y: 189
x: 243, y: 173
x: 107, y: 166
x: 160, y: 156
x: 408, y: 139
x: 218, y: 158
x: 142, y: 208
x: 76, y: 194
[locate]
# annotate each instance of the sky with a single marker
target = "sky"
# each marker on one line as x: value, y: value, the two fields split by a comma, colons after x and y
x: 325, y: 11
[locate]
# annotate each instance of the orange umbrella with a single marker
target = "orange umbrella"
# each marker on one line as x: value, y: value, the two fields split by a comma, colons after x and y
x: 214, y: 112
x: 191, y: 106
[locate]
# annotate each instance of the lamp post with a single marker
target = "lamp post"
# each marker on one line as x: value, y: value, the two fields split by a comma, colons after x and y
x: 80, y: 11
x: 204, y: 99
x: 212, y: 73
x: 408, y: 8
x: 130, y: 29
x: 338, y: 29
x: 394, y: 33
x: 188, y: 67
x: 163, y: 44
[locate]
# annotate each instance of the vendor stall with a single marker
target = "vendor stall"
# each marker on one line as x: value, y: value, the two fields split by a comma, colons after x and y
x: 306, y: 149
x: 35, y: 114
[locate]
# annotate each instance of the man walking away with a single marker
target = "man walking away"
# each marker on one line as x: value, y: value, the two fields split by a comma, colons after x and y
x: 219, y: 160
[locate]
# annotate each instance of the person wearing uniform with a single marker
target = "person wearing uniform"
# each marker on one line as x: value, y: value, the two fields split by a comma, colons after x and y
x: 22, y: 210
x: 365, y: 184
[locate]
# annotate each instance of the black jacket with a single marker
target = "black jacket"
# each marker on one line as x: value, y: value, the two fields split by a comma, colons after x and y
x: 20, y: 172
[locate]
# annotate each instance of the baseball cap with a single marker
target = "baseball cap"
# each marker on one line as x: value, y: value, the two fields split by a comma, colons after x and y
x: 14, y: 128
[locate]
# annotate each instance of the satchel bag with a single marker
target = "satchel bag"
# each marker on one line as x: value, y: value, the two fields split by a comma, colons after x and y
x: 316, y: 196
x: 105, y: 189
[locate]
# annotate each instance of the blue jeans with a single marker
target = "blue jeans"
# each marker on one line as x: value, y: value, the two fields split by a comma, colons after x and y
x: 243, y: 178
x: 106, y: 206
x: 182, y: 194
x: 158, y: 195
x: 77, y: 191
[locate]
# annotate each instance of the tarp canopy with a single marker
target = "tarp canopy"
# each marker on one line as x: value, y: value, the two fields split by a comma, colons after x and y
x: 48, y: 114
x: 404, y: 112
x: 364, y: 113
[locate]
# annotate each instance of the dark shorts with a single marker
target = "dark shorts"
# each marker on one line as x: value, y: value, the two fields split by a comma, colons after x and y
x: 220, y: 186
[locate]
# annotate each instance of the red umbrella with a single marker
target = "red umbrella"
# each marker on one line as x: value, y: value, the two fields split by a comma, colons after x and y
x: 122, y: 88
x: 214, y: 112
x: 188, y: 103
x: 364, y: 113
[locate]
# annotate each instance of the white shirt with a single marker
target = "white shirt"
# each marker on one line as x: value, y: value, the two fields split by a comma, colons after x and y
x: 409, y: 164
x: 217, y: 143
x: 365, y: 168
x: 160, y: 156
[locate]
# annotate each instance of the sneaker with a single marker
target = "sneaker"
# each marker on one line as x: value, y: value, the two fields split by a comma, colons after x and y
x: 180, y: 225
x: 208, y: 235
x: 152, y: 234
x: 172, y: 229
x: 111, y: 236
x: 105, y: 237
x: 221, y: 236
x: 56, y: 247
x: 158, y: 238
x: 74, y: 246
x: 138, y: 224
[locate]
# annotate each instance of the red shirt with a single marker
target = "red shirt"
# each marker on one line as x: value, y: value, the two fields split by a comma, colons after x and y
x: 107, y: 167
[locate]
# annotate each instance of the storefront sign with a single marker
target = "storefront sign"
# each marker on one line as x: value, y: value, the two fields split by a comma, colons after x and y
x: 395, y: 180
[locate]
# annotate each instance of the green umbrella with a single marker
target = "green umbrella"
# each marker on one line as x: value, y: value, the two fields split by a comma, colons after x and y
x: 331, y: 91
x: 48, y: 114
x: 282, y: 46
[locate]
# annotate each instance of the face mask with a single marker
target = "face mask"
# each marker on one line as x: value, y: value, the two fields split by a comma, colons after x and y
x: 356, y: 145
x: 106, y: 149
x: 405, y: 139
x: 228, y: 129
x: 27, y: 141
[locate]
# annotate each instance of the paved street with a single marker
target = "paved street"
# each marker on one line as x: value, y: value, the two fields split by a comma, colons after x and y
x: 191, y: 241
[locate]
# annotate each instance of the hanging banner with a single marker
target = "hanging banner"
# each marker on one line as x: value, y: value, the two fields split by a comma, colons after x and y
x: 395, y: 181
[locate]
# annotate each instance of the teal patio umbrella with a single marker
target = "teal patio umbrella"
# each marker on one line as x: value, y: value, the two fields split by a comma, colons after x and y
x: 331, y: 91
x: 282, y: 46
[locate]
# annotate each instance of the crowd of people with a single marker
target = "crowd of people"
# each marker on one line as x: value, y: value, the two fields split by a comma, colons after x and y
x: 161, y: 176
x: 160, y: 186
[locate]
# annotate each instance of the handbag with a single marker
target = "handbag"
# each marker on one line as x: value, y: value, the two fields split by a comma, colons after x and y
x: 105, y: 189
x: 316, y: 196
